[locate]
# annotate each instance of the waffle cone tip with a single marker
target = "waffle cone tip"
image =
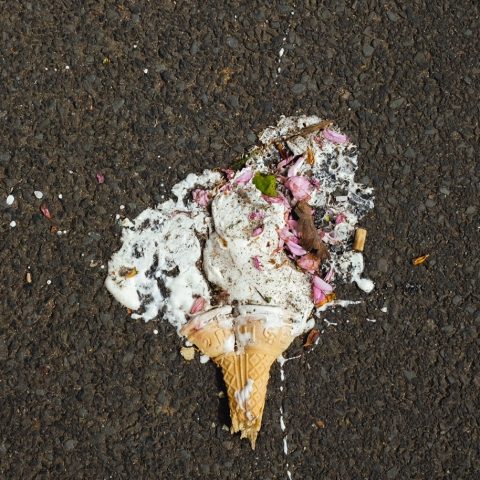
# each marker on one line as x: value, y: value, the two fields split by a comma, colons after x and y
x: 245, y: 368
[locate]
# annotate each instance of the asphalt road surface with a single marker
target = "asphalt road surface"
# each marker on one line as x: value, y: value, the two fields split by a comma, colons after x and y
x: 145, y: 92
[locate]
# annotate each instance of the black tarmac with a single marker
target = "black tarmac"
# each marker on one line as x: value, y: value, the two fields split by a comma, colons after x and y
x: 146, y: 92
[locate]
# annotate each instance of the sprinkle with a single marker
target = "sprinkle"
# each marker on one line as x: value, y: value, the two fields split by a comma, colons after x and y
x: 10, y: 199
x: 335, y: 137
x: 245, y: 176
x: 256, y: 263
x: 198, y: 305
x: 38, y: 194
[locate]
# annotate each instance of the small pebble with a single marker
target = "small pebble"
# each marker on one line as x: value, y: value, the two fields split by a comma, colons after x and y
x: 145, y: 70
x: 13, y: 223
x: 60, y: 196
x: 368, y: 50
x: 49, y: 282
x: 10, y: 199
x: 155, y: 332
x: 38, y: 194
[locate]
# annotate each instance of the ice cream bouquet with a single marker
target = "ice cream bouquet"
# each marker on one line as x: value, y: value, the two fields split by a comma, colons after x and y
x: 245, y: 258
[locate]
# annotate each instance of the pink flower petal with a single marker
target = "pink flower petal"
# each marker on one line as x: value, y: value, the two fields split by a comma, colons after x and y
x: 300, y: 187
x: 285, y: 162
x: 279, y: 199
x: 295, y: 248
x: 256, y: 263
x: 100, y: 178
x: 45, y: 211
x: 330, y: 274
x: 293, y: 170
x: 258, y: 231
x: 229, y: 173
x: 198, y: 305
x: 322, y: 284
x: 335, y: 137
x: 200, y: 197
x: 340, y: 218
x: 285, y: 234
x: 309, y: 263
x: 256, y: 215
x: 225, y: 188
x: 293, y: 225
x: 245, y: 176
x: 318, y: 295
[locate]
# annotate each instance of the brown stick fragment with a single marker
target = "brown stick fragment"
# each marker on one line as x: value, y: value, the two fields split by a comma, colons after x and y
x: 308, y: 234
x: 359, y: 241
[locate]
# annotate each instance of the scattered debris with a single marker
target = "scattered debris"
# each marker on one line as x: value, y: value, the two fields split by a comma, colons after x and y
x: 312, y: 337
x: 28, y: 277
x: 419, y: 260
x: 45, y: 211
x: 188, y: 353
x: 359, y: 241
x: 100, y: 178
x: 319, y: 423
x: 38, y: 194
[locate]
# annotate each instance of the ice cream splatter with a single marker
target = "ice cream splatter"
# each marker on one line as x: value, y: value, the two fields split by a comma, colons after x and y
x: 164, y: 244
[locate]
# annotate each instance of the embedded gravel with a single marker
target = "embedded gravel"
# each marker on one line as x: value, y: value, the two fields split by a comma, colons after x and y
x: 146, y: 92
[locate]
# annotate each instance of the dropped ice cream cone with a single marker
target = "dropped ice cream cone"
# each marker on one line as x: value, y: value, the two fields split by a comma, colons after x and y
x: 244, y: 347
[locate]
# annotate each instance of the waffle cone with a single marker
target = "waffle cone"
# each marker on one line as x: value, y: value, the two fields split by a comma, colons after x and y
x: 247, y: 369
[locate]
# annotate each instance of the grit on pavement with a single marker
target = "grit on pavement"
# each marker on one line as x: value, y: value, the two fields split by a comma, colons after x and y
x: 143, y: 93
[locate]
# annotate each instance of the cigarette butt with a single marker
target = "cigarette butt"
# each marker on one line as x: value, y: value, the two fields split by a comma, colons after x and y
x: 359, y: 241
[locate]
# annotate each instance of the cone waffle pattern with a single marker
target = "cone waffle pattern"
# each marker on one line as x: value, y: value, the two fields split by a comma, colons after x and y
x: 250, y: 363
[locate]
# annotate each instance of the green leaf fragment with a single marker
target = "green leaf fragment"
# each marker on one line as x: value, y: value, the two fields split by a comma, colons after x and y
x: 267, y: 184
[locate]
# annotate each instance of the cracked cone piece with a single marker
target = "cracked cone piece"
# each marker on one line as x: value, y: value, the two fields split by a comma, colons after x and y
x: 245, y: 368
